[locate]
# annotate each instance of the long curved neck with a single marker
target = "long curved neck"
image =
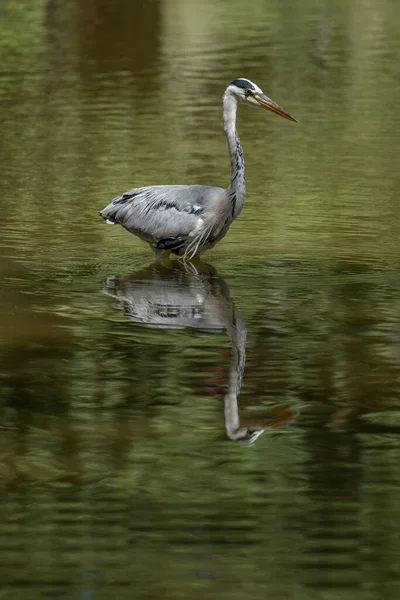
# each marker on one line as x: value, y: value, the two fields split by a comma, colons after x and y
x: 237, y: 186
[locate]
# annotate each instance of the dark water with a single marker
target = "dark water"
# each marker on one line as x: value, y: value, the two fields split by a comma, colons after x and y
x: 129, y: 464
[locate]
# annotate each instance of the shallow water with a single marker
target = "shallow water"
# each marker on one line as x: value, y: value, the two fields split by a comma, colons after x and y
x: 231, y: 432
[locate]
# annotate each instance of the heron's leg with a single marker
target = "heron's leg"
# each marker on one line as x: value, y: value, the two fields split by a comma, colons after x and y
x: 161, y: 256
x: 190, y: 267
x: 188, y: 264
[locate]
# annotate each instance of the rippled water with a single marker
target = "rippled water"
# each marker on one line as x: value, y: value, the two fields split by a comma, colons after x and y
x: 130, y: 466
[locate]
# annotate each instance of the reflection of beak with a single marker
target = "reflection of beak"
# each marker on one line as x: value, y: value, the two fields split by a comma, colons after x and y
x: 266, y: 102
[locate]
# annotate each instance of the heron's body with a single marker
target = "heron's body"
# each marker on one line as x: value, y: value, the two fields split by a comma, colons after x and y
x: 189, y: 219
x: 165, y: 214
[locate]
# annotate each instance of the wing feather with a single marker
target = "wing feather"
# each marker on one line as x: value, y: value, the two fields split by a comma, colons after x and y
x: 159, y: 212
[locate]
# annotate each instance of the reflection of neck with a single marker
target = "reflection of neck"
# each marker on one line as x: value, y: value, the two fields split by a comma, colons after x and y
x: 237, y: 334
x: 237, y: 187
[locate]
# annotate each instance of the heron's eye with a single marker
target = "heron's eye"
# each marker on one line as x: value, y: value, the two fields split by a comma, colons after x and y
x: 247, y: 92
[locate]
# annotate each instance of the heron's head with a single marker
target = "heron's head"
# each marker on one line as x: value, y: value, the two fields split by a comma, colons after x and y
x: 247, y: 92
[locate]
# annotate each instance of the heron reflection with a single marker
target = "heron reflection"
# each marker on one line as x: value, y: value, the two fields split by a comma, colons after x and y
x: 171, y: 296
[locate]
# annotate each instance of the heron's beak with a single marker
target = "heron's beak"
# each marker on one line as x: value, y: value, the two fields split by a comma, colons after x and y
x: 266, y: 102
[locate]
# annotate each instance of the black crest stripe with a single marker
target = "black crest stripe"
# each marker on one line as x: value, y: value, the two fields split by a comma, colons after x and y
x: 243, y: 83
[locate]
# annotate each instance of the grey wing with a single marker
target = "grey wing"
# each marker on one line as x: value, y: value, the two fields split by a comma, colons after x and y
x: 161, y: 211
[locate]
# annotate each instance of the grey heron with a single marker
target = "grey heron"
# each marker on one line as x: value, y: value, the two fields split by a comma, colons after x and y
x: 189, y: 219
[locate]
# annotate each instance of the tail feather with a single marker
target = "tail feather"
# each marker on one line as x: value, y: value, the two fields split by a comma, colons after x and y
x: 108, y: 218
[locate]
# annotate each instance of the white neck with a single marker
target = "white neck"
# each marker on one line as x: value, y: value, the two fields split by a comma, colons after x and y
x: 237, y: 186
